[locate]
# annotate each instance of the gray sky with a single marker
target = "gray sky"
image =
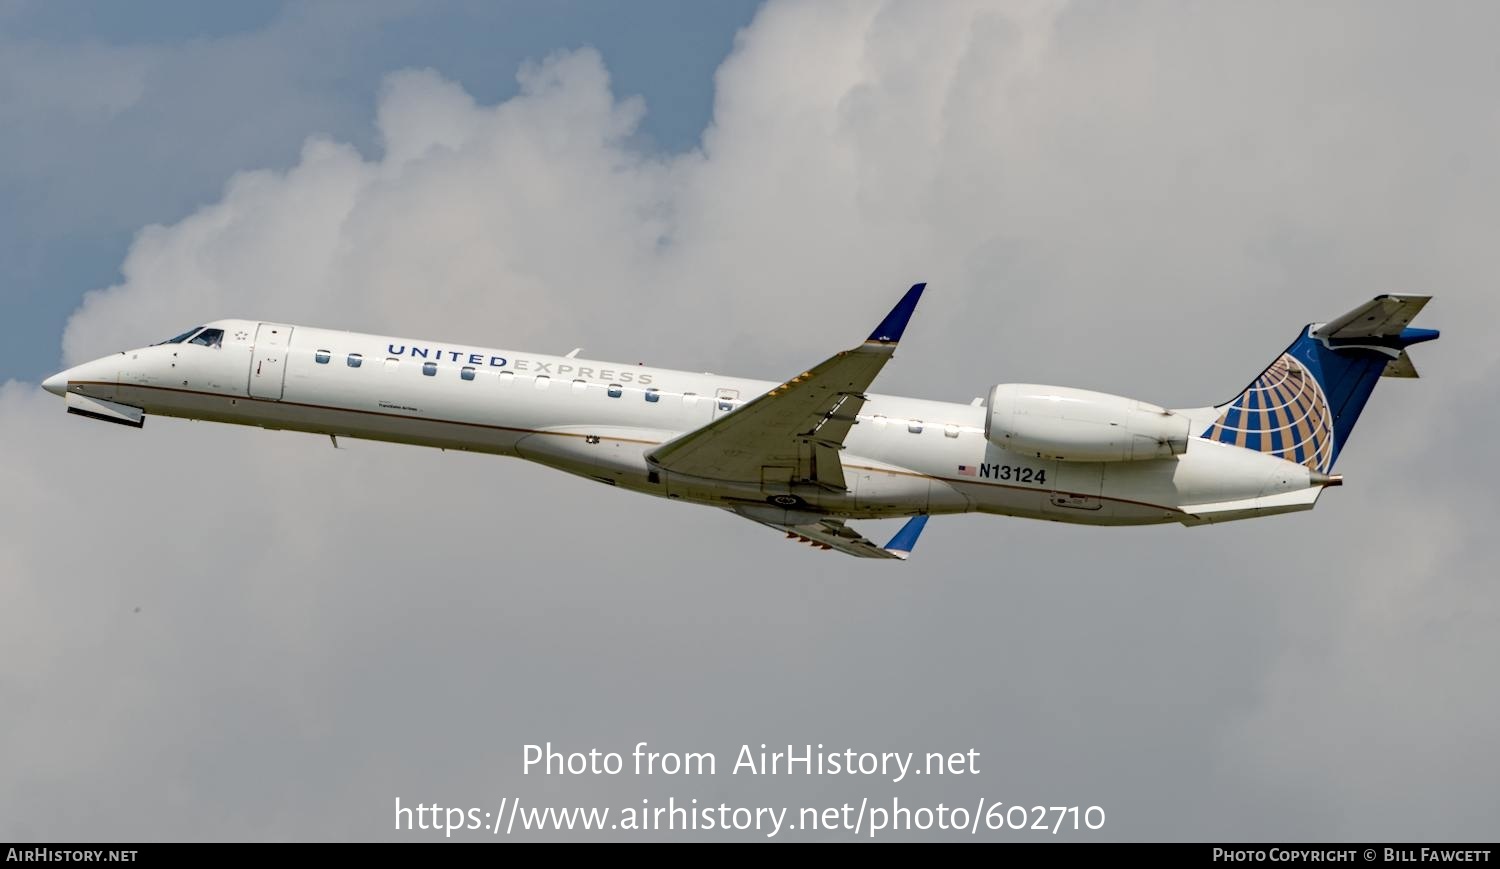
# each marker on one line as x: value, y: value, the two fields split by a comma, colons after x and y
x: 1140, y: 198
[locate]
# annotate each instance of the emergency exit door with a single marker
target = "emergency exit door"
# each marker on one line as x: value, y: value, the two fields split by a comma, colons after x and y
x: 268, y: 361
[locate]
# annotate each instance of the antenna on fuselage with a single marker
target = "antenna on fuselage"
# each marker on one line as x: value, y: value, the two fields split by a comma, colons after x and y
x: 576, y: 351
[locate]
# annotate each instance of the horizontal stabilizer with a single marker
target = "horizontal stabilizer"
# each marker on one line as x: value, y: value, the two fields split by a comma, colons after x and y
x: 1401, y: 366
x: 1382, y: 320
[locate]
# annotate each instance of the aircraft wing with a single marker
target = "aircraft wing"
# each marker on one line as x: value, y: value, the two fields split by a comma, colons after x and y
x: 792, y: 433
x: 828, y: 533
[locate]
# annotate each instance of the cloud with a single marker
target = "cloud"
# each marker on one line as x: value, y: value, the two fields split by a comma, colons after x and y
x: 1144, y: 199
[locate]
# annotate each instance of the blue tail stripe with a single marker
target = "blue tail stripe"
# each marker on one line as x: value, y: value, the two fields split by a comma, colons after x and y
x: 1231, y: 420
x: 1253, y: 422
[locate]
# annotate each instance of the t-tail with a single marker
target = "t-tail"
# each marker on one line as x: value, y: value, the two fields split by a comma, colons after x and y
x: 1304, y: 405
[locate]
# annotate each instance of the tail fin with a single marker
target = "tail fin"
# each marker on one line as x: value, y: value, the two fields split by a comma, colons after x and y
x: 1304, y: 405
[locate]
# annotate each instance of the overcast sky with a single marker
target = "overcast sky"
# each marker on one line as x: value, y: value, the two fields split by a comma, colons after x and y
x: 209, y: 632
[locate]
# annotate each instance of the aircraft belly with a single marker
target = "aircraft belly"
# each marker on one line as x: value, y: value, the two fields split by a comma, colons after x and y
x: 888, y: 489
x: 320, y: 419
x: 610, y: 454
x: 1005, y: 500
x: 871, y: 493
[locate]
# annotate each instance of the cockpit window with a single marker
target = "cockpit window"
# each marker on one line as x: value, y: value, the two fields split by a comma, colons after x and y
x: 183, y: 337
x: 209, y: 338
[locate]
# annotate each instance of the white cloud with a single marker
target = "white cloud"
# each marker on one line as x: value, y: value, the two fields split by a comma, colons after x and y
x: 1142, y: 199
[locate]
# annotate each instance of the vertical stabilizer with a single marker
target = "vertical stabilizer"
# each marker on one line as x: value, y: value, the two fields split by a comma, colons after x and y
x: 1304, y: 405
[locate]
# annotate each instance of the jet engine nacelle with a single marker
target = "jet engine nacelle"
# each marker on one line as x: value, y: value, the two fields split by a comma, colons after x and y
x: 1057, y: 422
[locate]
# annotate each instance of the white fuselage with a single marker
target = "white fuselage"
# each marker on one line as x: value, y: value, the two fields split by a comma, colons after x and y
x: 598, y: 419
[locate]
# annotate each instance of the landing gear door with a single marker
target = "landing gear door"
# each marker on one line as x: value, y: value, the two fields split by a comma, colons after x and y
x: 268, y: 361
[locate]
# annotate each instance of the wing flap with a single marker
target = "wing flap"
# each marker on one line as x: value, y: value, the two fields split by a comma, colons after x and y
x: 829, y: 533
x: 800, y: 424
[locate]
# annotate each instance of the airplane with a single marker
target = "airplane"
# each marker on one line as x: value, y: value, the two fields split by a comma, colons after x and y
x: 805, y: 455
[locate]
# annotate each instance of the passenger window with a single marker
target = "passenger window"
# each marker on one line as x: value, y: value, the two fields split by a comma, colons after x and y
x: 653, y: 394
x: 467, y: 373
x: 542, y: 380
x: 914, y: 426
x: 356, y: 360
x: 690, y: 399
x: 322, y: 356
x: 429, y: 368
x: 391, y: 363
x: 615, y: 390
x: 507, y: 376
x: 880, y: 420
x: 950, y: 431
x: 209, y: 338
x: 580, y: 385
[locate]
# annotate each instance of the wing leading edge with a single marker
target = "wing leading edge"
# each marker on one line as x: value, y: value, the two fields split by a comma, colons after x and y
x: 793, y: 433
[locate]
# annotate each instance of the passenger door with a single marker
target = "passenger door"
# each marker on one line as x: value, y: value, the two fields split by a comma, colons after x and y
x: 268, y: 361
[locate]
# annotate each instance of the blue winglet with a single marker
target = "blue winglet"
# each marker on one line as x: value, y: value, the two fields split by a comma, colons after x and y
x: 890, y: 329
x: 902, y: 544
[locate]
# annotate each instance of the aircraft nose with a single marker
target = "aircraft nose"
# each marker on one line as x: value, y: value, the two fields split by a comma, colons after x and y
x: 57, y: 384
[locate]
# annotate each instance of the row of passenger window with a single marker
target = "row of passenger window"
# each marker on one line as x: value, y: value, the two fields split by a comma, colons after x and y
x: 915, y: 426
x: 354, y: 360
x: 614, y: 390
x: 468, y: 372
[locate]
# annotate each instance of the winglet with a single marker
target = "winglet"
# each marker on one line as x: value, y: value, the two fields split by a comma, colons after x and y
x: 906, y: 539
x: 890, y: 329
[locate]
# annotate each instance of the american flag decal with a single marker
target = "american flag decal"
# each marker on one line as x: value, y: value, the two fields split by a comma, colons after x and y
x: 966, y: 470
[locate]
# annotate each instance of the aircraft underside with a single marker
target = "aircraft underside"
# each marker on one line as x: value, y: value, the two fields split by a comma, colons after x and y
x: 877, y: 490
